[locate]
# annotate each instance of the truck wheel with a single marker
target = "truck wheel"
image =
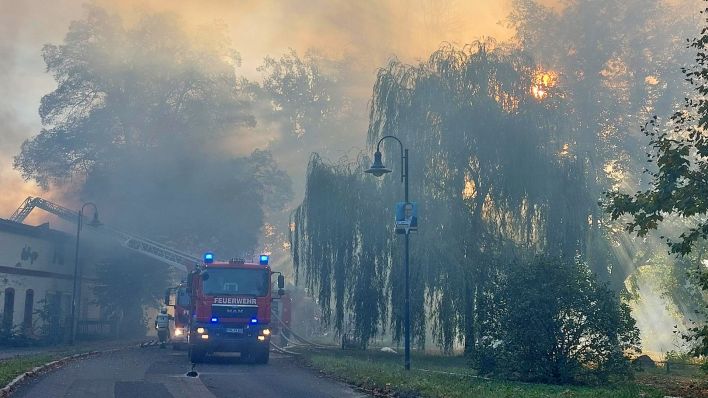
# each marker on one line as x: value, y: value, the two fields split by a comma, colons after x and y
x: 196, y: 355
x: 263, y: 356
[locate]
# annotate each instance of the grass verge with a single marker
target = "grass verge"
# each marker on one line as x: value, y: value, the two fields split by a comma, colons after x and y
x: 436, y: 376
x: 13, y: 367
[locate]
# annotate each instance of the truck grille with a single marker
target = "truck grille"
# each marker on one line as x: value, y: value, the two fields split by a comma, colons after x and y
x: 234, y: 311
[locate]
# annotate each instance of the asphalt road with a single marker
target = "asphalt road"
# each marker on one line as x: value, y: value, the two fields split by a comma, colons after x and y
x: 161, y: 373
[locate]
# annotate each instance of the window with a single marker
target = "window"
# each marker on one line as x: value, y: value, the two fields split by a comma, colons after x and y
x: 29, y: 306
x: 182, y: 297
x: 9, y: 309
x: 235, y: 281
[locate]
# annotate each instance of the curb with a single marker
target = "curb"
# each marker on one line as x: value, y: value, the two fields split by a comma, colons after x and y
x: 38, y: 370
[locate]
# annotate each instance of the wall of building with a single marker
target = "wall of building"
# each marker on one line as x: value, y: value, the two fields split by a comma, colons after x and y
x: 39, y: 260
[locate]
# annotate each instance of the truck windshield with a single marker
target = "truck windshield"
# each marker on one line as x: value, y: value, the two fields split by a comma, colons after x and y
x: 253, y: 282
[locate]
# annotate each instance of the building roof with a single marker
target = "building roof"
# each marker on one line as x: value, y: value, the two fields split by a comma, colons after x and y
x: 39, y: 231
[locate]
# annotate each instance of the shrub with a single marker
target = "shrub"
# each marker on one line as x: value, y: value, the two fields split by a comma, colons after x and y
x: 556, y: 323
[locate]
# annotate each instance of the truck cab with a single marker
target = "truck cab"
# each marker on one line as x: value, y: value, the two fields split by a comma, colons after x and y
x: 231, y: 309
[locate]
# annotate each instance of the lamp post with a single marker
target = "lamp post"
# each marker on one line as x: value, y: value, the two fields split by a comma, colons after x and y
x: 378, y: 169
x: 77, y: 286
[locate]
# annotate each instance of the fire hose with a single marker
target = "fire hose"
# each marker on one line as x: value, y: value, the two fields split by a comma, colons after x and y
x: 298, y: 337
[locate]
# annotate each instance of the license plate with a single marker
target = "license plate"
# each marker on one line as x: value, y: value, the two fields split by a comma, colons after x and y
x: 234, y: 330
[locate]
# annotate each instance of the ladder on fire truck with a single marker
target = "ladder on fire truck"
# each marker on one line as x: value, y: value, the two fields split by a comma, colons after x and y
x: 139, y: 244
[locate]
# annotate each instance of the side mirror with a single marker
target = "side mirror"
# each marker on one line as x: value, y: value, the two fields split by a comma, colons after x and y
x: 167, y: 297
x: 281, y: 282
x: 205, y: 276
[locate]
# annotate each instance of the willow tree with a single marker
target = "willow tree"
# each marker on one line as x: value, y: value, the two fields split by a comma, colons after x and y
x: 494, y: 177
x: 342, y: 249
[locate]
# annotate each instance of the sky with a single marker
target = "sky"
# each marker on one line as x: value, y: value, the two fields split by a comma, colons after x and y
x: 369, y: 32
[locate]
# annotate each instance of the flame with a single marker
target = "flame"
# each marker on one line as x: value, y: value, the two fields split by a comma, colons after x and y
x: 651, y: 80
x: 470, y: 190
x: 538, y: 92
x: 542, y: 81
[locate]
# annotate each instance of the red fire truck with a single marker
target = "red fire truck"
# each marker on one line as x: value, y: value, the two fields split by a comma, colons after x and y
x: 177, y: 302
x: 230, y: 307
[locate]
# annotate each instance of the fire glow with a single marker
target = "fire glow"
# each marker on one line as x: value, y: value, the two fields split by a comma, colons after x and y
x: 542, y: 82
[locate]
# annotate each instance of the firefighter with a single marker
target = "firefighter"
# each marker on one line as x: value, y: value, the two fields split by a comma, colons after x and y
x: 162, y: 324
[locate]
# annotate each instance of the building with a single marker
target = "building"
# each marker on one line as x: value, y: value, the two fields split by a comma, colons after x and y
x: 36, y: 281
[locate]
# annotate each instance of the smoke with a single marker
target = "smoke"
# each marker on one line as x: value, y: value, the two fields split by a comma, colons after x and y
x: 369, y: 31
x: 24, y: 27
x: 367, y: 34
x: 355, y: 37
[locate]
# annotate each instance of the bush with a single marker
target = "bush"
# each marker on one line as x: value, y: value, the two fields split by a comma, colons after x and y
x: 556, y: 323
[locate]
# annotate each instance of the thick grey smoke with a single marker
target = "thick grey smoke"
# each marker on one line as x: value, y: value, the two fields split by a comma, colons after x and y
x: 364, y: 35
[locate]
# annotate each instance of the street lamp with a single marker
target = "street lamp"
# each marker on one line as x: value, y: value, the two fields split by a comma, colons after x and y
x: 378, y: 169
x: 77, y: 286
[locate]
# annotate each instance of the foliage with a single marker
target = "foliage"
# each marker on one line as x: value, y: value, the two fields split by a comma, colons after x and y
x: 307, y: 100
x: 616, y: 63
x: 53, y: 321
x: 678, y: 184
x: 343, y: 258
x: 554, y: 322
x: 299, y: 90
x: 140, y: 122
x: 126, y: 285
x: 16, y: 337
x: 481, y: 200
x: 446, y: 376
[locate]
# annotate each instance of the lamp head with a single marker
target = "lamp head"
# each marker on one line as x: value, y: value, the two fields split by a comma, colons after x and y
x: 377, y: 169
x: 95, y: 222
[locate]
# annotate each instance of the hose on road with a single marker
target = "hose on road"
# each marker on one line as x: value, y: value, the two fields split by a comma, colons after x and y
x: 302, y: 339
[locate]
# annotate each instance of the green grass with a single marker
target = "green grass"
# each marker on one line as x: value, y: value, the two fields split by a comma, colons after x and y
x: 13, y: 367
x: 375, y: 371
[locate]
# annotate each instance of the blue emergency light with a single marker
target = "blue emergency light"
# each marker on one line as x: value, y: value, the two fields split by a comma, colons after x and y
x: 208, y: 258
x: 264, y: 259
x: 214, y: 320
x: 254, y: 320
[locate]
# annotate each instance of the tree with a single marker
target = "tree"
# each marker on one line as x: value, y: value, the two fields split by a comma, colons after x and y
x: 299, y: 90
x: 140, y: 122
x: 615, y: 61
x: 554, y: 322
x: 482, y: 200
x: 340, y: 251
x: 127, y: 284
x: 679, y: 184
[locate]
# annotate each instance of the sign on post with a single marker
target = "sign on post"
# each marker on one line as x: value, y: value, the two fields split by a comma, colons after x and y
x: 406, y: 217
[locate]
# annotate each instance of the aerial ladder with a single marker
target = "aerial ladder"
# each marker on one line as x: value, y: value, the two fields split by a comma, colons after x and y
x: 139, y: 244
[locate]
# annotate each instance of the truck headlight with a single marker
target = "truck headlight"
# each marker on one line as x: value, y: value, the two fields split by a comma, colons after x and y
x: 201, y: 330
x: 178, y: 332
x: 205, y: 336
x: 266, y: 332
x: 261, y: 338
